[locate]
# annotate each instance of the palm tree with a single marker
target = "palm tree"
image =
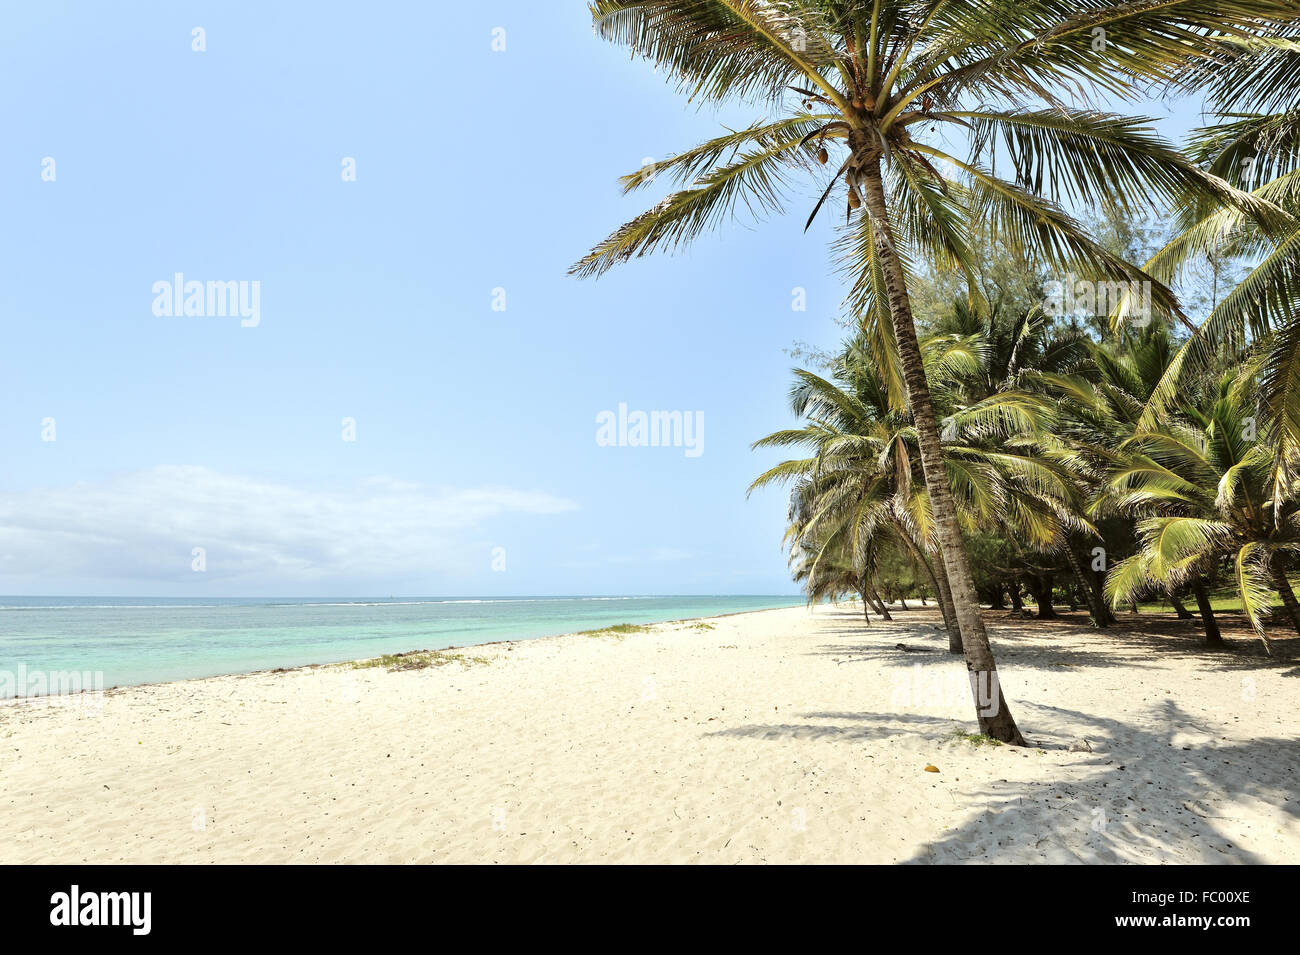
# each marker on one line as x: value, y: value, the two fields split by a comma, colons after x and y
x: 1018, y: 346
x: 1099, y: 404
x: 1205, y: 482
x: 873, y: 79
x: 861, y: 491
x: 829, y: 575
x: 861, y: 484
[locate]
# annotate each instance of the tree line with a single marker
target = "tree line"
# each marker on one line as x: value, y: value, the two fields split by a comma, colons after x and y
x: 940, y: 130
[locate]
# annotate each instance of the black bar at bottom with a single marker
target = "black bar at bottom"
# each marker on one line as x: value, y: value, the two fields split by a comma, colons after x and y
x: 301, y: 905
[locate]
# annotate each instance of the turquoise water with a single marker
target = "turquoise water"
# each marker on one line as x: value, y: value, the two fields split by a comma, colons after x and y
x: 134, y: 640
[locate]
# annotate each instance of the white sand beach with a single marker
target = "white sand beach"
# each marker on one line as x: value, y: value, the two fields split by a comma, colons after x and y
x: 777, y: 736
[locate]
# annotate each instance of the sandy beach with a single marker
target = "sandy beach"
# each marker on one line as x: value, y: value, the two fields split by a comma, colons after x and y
x: 776, y: 736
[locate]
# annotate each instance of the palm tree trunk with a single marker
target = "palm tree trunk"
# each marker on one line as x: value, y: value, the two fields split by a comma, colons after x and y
x: 949, y: 613
x: 1183, y: 612
x: 862, y: 592
x: 1097, y: 619
x: 1041, y: 587
x: 879, y: 604
x: 1212, y: 636
x: 1278, y: 570
x: 939, y: 577
x: 1097, y: 609
x: 995, y: 719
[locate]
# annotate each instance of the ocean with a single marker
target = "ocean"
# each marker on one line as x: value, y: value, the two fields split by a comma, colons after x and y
x: 124, y: 641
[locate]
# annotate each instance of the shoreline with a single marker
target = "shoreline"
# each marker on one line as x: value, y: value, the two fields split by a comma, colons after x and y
x: 779, y: 735
x: 118, y: 687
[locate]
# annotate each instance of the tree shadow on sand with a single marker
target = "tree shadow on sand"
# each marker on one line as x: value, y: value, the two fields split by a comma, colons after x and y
x: 1069, y: 641
x: 1163, y: 790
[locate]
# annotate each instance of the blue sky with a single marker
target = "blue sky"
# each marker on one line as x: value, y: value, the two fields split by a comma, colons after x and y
x: 475, y: 428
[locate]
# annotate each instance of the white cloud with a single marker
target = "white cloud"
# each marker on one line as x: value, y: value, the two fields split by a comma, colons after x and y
x: 144, y: 525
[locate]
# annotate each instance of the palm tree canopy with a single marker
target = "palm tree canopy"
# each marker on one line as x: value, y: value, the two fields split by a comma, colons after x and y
x: 1259, y: 150
x: 1205, y: 482
x: 893, y: 80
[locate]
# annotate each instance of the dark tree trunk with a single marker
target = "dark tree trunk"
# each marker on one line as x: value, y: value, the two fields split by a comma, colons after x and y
x: 1016, y: 603
x: 1040, y: 585
x: 1212, y: 636
x: 996, y: 602
x: 866, y: 604
x: 949, y: 613
x: 880, y: 605
x: 1097, y: 580
x: 1097, y: 609
x: 939, y: 577
x: 991, y: 707
x: 1183, y: 612
x: 1284, y: 590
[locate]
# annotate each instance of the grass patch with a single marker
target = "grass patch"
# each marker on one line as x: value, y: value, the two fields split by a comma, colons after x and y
x: 618, y: 630
x: 418, y: 660
x: 974, y: 739
x: 702, y: 625
x: 1224, y: 599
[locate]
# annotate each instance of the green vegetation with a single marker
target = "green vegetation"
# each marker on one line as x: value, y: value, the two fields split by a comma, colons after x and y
x: 418, y: 660
x: 987, y: 430
x: 974, y: 739
x: 1061, y: 495
x: 618, y: 631
x: 1223, y: 599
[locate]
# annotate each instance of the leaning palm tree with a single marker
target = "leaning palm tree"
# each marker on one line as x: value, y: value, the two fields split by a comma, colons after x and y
x: 871, y: 81
x: 1015, y: 347
x: 829, y: 572
x: 863, y: 483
